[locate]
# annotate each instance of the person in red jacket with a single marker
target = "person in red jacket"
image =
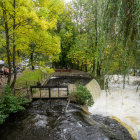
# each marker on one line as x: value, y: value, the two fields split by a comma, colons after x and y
x: 6, y: 71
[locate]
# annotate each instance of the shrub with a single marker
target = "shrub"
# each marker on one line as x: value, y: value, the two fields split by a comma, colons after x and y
x: 83, y: 96
x: 10, y: 104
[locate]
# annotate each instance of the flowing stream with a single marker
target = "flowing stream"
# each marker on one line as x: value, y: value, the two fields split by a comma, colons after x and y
x: 45, y: 120
x: 123, y: 104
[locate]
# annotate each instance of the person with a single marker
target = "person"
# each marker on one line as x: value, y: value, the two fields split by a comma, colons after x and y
x: 6, y: 72
x: 2, y: 80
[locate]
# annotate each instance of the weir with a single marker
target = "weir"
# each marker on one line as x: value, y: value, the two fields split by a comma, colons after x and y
x: 49, y: 92
x: 121, y: 104
x: 64, y: 120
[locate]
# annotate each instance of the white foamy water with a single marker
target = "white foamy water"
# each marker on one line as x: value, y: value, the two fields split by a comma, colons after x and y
x: 121, y: 103
x: 41, y: 120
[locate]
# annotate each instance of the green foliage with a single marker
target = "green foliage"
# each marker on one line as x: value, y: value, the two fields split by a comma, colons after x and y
x: 10, y: 104
x: 30, y: 77
x: 121, y: 27
x: 42, y: 44
x: 27, y: 31
x: 99, y: 36
x: 88, y: 43
x: 105, y: 36
x: 83, y: 96
x: 65, y: 30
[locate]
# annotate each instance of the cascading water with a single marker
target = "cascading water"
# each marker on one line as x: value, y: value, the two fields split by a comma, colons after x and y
x: 123, y: 104
x: 45, y: 120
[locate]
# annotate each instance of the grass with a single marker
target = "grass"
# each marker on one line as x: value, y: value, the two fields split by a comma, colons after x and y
x: 29, y: 78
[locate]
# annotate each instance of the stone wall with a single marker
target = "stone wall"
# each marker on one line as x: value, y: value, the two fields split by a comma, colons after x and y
x: 94, y: 89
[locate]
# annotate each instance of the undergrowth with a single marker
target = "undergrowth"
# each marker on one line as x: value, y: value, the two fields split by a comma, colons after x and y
x: 10, y: 103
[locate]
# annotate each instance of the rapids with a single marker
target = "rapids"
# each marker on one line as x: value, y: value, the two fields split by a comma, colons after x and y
x: 123, y: 104
x: 45, y: 121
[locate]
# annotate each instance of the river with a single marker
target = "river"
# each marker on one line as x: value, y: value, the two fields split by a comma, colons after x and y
x: 45, y: 120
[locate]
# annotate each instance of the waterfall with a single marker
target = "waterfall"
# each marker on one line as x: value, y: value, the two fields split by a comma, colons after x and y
x: 120, y: 103
x: 94, y: 89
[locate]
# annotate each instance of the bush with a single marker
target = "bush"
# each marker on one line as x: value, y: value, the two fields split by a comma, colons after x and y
x: 83, y: 96
x: 10, y: 104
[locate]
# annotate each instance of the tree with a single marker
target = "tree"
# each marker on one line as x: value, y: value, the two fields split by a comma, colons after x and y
x: 109, y: 30
x: 86, y: 17
x: 21, y: 17
x: 122, y: 32
x: 12, y: 18
x: 65, y: 30
x: 44, y: 43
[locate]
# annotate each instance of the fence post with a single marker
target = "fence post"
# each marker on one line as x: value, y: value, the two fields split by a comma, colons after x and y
x: 40, y: 92
x: 50, y: 96
x: 58, y: 90
x: 49, y: 93
x: 67, y: 91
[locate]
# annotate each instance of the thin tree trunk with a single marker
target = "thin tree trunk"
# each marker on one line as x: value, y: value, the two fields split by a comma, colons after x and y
x: 97, y: 65
x: 86, y: 68
x: 14, y: 48
x: 32, y: 61
x: 96, y: 31
x: 7, y: 43
x: 133, y: 35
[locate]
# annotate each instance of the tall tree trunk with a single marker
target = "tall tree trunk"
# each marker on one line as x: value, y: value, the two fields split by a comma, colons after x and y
x: 32, y: 61
x: 7, y: 43
x: 133, y: 36
x: 14, y: 47
x: 98, y: 69
x: 85, y: 67
x: 97, y: 64
x: 96, y: 31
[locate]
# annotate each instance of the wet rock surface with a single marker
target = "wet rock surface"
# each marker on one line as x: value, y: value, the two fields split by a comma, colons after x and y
x: 112, y: 128
x: 45, y: 121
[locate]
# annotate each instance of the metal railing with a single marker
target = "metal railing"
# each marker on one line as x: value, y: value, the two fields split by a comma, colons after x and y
x: 49, y: 91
